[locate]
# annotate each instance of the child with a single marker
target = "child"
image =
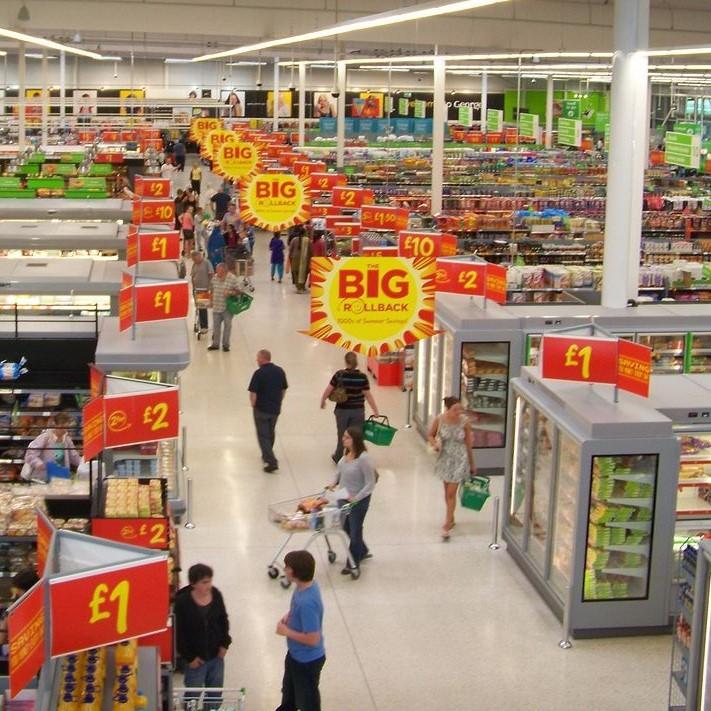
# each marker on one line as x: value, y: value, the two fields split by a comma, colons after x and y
x: 276, y: 247
x: 187, y: 224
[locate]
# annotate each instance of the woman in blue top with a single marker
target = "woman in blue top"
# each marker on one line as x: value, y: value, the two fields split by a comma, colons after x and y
x: 356, y: 473
x: 276, y: 247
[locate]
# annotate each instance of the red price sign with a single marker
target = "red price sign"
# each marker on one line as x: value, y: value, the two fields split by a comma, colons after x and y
x: 352, y: 197
x: 326, y: 181
x: 496, y: 283
x: 152, y: 247
x: 162, y: 301
x: 108, y: 606
x: 128, y: 136
x: 110, y: 136
x: 427, y: 244
x: 325, y: 210
x: 379, y: 252
x: 288, y: 159
x: 145, y: 532
x: 114, y: 157
x: 461, y: 277
x: 25, y: 631
x: 304, y: 169
x: 93, y: 428
x: 152, y: 187
x: 141, y: 417
x: 86, y: 136
x: 375, y: 217
x: 345, y: 229
x: 125, y: 307
x: 45, y: 531
x: 155, y: 143
x: 153, y: 212
x: 588, y: 360
x: 149, y: 133
x: 634, y: 367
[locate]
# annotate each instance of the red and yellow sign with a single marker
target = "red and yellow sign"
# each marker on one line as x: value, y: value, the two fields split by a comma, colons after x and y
x: 377, y: 217
x: 45, y: 531
x: 145, y: 532
x: 237, y: 160
x: 152, y: 247
x: 326, y: 181
x: 274, y: 202
x: 141, y: 417
x: 372, y: 306
x: 461, y: 277
x: 161, y: 301
x: 287, y: 159
x: 200, y: 127
x: 93, y: 428
x: 153, y: 212
x: 427, y: 244
x: 25, y: 631
x: 378, y: 252
x: 588, y: 359
x: 325, y: 211
x: 121, y: 602
x: 125, y: 307
x: 496, y: 283
x: 347, y: 229
x: 210, y: 144
x: 352, y: 197
x: 151, y: 187
x: 634, y: 367
x: 306, y: 168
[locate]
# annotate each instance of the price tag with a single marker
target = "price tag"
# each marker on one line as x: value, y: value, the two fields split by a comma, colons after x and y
x: 145, y: 532
x: 121, y: 602
x: 325, y: 210
x: 427, y: 244
x: 151, y: 187
x: 162, y: 301
x: 152, y: 247
x: 589, y: 360
x: 153, y: 212
x: 462, y: 277
x: 326, y: 181
x: 375, y: 217
x: 345, y: 229
x: 288, y: 159
x: 352, y: 197
x: 304, y: 169
x: 379, y: 251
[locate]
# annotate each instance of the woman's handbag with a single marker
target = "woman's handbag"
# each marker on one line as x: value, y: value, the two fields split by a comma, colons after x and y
x: 474, y: 492
x: 378, y: 430
x: 339, y: 394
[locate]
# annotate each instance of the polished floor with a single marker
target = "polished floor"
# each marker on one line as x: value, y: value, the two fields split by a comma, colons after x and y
x: 429, y: 625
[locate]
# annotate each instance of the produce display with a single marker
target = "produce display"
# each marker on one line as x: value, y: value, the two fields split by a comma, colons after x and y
x: 134, y: 498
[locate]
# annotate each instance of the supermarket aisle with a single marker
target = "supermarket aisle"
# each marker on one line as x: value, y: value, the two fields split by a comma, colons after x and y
x: 429, y: 625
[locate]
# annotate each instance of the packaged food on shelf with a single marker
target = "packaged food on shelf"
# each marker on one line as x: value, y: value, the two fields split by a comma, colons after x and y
x: 134, y: 498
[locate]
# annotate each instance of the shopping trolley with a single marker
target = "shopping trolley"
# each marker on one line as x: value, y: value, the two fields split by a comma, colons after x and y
x: 208, y: 699
x: 244, y: 269
x: 202, y: 301
x: 319, y: 515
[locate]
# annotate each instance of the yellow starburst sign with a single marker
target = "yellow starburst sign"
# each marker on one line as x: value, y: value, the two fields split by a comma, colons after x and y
x: 213, y: 140
x: 372, y: 306
x: 236, y: 161
x: 200, y: 127
x: 274, y: 201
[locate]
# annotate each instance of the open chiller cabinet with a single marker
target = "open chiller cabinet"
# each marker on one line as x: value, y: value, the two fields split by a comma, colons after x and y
x: 590, y: 490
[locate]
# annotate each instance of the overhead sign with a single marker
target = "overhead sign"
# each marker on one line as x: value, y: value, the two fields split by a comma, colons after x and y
x: 494, y: 120
x: 326, y: 181
x: 372, y: 306
x: 26, y: 636
x: 352, y: 197
x: 570, y: 132
x: 585, y: 359
x: 237, y: 160
x: 426, y: 244
x: 274, y: 202
x: 529, y: 126
x: 469, y: 278
x: 146, y: 186
x: 109, y: 605
x: 570, y: 109
x: 161, y: 301
x: 153, y: 212
x: 200, y: 127
x: 465, y: 115
x: 634, y: 367
x: 213, y: 140
x: 379, y: 217
x: 152, y: 247
x: 682, y: 149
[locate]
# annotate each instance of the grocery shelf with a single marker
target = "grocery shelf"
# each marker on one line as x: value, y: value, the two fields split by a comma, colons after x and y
x: 640, y: 572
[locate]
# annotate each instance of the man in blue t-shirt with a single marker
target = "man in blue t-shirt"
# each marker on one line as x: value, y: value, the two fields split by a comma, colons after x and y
x: 302, y: 627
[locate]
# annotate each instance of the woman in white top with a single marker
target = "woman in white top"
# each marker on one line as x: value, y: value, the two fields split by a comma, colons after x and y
x: 356, y: 473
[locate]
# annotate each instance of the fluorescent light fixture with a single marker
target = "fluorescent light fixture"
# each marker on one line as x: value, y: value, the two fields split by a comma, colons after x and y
x: 429, y: 58
x: 42, y: 42
x: 678, y: 51
x: 241, y: 64
x: 37, y: 55
x: 383, y: 19
x: 384, y: 69
x: 176, y: 60
x: 107, y: 58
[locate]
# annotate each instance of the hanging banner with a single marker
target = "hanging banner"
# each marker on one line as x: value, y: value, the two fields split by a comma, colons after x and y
x: 236, y: 161
x: 585, y: 359
x: 494, y: 120
x: 378, y: 217
x: 634, y: 367
x: 570, y: 109
x: 161, y: 301
x: 464, y: 117
x: 140, y: 417
x: 213, y: 140
x: 372, y: 306
x: 152, y: 247
x: 145, y: 186
x: 352, y: 197
x: 426, y: 244
x: 113, y: 604
x: 200, y: 127
x: 274, y: 202
x: 93, y: 428
x: 570, y: 132
x: 153, y: 212
x: 144, y: 532
x: 682, y: 149
x: 26, y: 636
x: 326, y: 181
x: 45, y: 531
x: 529, y: 126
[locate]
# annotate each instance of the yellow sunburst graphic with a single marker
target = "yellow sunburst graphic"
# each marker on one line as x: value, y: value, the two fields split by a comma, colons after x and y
x: 212, y: 141
x: 201, y: 126
x: 372, y: 306
x: 274, y: 201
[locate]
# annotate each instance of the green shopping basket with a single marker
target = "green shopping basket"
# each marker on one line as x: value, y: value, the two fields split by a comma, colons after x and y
x: 474, y: 492
x: 378, y: 430
x: 237, y: 304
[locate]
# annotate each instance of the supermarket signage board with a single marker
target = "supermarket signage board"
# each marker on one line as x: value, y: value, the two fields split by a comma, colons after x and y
x: 26, y: 634
x: 634, y: 367
x: 342, y: 228
x: 326, y: 181
x: 494, y: 120
x: 426, y: 244
x: 584, y: 359
x: 352, y: 197
x: 471, y: 279
x: 110, y: 604
x: 45, y: 531
x: 379, y: 252
x: 144, y: 532
x: 274, y: 202
x: 200, y: 127
x: 570, y: 132
x: 495, y: 288
x: 377, y: 217
x: 305, y: 169
x: 324, y: 210
x: 236, y: 160
x: 151, y: 187
x: 213, y: 140
x: 529, y: 125
x: 125, y: 306
x: 152, y: 247
x: 154, y: 212
x: 570, y: 109
x: 372, y: 305
x: 689, y: 127
x: 93, y: 428
x: 161, y: 301
x: 682, y: 149
x: 464, y: 117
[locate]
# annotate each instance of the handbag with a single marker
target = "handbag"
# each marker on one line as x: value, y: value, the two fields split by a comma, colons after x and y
x: 339, y: 394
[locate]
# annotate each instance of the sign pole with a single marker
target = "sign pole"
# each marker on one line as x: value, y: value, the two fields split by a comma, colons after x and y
x: 408, y: 424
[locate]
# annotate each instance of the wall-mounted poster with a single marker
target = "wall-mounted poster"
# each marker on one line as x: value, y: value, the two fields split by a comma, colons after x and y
x: 284, y: 104
x: 234, y: 102
x: 130, y: 101
x: 325, y: 105
x: 84, y: 104
x: 367, y: 105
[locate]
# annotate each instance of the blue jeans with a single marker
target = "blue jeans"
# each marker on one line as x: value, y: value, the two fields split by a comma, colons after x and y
x: 278, y: 269
x: 353, y: 526
x: 211, y: 674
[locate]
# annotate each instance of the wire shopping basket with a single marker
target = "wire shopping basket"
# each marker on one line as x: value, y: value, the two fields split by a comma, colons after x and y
x: 209, y: 699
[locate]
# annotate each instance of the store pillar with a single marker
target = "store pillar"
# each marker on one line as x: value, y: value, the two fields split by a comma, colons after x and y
x: 627, y: 154
x: 302, y: 103
x: 275, y: 103
x: 21, y: 96
x: 62, y: 88
x: 45, y: 98
x: 484, y: 100
x: 549, y: 112
x: 438, y: 121
x: 341, y: 122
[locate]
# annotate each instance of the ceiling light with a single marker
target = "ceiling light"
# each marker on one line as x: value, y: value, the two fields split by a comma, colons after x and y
x: 384, y: 69
x: 41, y: 42
x: 107, y: 58
x: 383, y: 19
x: 240, y: 64
x: 677, y: 52
x: 429, y: 58
x: 176, y: 60
x: 24, y: 14
x: 77, y: 38
x: 37, y: 55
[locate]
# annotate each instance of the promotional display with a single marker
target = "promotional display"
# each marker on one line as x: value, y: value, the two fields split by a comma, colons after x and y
x: 351, y: 197
x: 45, y: 531
x: 471, y: 278
x: 147, y: 533
x: 426, y: 244
x: 213, y: 140
x: 275, y: 202
x: 378, y: 217
x: 465, y: 116
x: 155, y: 212
x: 634, y: 367
x: 150, y: 187
x: 372, y: 306
x: 236, y: 160
x: 326, y: 181
x: 570, y: 132
x: 529, y: 126
x: 152, y: 247
x: 304, y: 169
x: 158, y: 301
x: 494, y: 120
x: 26, y: 634
x: 200, y: 127
x: 682, y: 149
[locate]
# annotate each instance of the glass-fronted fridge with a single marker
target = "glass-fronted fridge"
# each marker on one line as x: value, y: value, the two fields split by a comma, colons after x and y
x: 590, y: 504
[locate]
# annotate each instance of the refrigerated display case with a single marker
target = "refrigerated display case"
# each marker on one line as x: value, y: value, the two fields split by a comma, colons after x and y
x: 591, y: 504
x: 105, y: 209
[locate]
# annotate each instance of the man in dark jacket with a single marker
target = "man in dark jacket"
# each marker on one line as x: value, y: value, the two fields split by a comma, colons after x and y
x: 202, y: 632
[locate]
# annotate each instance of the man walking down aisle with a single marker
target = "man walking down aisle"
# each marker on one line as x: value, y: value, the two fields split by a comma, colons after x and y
x: 266, y: 393
x: 224, y: 284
